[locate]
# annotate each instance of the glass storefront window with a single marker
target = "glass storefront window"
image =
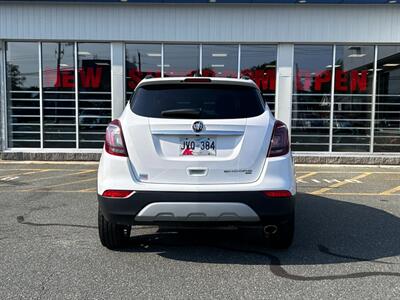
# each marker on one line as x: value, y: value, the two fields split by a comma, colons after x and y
x: 353, y: 98
x: 181, y: 60
x: 59, y: 120
x: 220, y: 61
x: 387, y: 107
x: 94, y: 77
x: 23, y: 95
x: 311, y: 105
x: 316, y: 126
x: 258, y: 62
x: 141, y: 60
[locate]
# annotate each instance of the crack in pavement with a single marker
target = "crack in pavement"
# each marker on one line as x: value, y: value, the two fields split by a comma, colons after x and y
x: 326, y: 250
x: 21, y: 220
x: 275, y: 263
x: 277, y: 269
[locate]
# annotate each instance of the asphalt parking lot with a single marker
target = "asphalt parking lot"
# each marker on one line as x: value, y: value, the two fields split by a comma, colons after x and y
x: 347, y: 242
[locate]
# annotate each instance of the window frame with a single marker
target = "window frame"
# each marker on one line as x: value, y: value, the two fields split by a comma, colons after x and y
x: 373, y: 99
x: 4, y: 89
x: 77, y: 148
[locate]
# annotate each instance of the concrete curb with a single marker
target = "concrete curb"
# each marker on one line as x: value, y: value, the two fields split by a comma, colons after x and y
x: 298, y: 158
x: 348, y: 159
x: 42, y: 156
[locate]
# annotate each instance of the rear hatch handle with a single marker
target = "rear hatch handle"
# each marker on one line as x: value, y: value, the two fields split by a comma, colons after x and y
x: 195, y: 171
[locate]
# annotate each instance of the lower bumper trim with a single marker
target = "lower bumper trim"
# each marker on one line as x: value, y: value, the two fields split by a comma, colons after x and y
x: 238, y: 207
x: 197, y: 212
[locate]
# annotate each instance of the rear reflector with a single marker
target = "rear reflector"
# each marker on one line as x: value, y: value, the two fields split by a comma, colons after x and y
x: 278, y: 194
x: 117, y: 193
x: 197, y: 80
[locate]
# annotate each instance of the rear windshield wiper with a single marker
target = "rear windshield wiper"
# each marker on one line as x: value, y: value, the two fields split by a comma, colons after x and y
x: 183, y: 112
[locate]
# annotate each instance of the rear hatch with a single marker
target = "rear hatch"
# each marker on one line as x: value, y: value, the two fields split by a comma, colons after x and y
x: 197, y: 133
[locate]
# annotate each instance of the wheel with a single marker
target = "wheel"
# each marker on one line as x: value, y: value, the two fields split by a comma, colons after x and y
x: 112, y: 236
x: 283, y: 237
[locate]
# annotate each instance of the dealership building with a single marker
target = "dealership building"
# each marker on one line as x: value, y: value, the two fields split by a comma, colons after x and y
x: 330, y: 69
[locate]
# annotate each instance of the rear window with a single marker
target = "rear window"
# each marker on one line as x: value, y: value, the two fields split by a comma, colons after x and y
x: 197, y: 101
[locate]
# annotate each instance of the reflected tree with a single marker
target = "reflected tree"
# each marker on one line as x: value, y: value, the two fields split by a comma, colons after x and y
x: 16, y: 78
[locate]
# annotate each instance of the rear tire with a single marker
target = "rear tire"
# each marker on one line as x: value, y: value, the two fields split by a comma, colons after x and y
x: 112, y: 236
x: 283, y: 238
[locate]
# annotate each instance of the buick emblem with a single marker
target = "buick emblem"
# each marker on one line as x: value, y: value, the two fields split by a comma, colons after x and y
x: 198, y: 126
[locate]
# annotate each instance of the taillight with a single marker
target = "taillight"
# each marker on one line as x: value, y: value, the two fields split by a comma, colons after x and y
x: 115, y: 143
x: 277, y: 194
x: 280, y: 140
x: 117, y: 193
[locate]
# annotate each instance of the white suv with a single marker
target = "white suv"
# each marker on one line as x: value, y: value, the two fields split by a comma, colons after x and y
x: 196, y: 151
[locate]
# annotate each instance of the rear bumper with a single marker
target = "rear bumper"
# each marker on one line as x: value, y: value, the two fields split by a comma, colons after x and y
x: 156, y: 207
x: 117, y: 173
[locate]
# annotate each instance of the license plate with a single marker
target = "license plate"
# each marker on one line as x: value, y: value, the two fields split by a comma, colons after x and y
x: 197, y: 146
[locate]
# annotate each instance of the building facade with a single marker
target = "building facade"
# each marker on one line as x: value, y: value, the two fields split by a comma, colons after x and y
x: 329, y: 69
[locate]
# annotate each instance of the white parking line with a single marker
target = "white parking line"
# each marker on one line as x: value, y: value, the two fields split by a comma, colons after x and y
x: 25, y: 173
x: 339, y: 184
x: 352, y: 180
x: 9, y: 178
x: 329, y: 181
x: 58, y: 185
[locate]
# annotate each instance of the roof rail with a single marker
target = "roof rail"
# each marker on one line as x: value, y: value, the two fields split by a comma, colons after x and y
x: 148, y: 76
x: 197, y: 74
x: 245, y: 78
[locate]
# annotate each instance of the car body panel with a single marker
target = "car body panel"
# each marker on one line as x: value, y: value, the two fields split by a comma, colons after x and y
x: 154, y: 169
x: 117, y: 173
x: 153, y: 148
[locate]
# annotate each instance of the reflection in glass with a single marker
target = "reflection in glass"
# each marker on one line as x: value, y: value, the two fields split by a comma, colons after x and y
x: 94, y: 77
x: 141, y: 60
x: 259, y: 63
x: 353, y: 98
x: 311, y: 97
x: 181, y: 60
x: 354, y: 70
x: 58, y: 95
x: 312, y: 69
x: 23, y: 95
x: 220, y: 61
x: 387, y: 116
